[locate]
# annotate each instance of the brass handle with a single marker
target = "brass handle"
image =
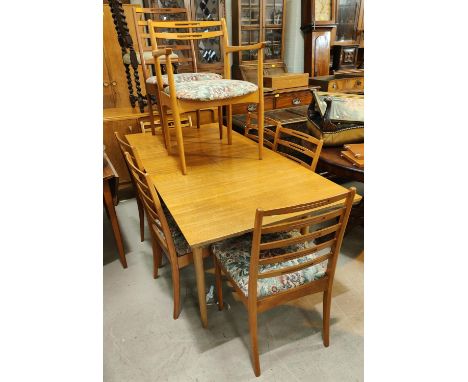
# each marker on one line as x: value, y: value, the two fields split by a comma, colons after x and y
x: 252, y: 107
x: 358, y: 82
x: 296, y: 101
x: 334, y: 86
x: 113, y: 83
x: 106, y: 84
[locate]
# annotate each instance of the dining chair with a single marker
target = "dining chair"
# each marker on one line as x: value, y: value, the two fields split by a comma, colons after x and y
x: 166, y: 235
x: 186, y: 54
x: 185, y: 96
x: 145, y: 126
x: 305, y: 152
x: 251, y: 128
x: 276, y: 263
x: 125, y: 147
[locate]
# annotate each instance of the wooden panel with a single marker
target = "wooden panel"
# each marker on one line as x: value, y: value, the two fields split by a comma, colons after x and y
x: 225, y: 184
x: 290, y: 99
x: 346, y: 84
x: 321, y: 53
x: 108, y: 94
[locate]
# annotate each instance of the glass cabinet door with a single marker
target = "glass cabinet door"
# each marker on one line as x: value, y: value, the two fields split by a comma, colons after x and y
x: 347, y: 17
x: 250, y: 27
x: 208, y: 50
x: 273, y: 22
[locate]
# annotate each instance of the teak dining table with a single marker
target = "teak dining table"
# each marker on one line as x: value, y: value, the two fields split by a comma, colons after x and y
x: 224, y: 186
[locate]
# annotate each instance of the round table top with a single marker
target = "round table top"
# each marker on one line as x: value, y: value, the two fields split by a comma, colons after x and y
x: 331, y: 161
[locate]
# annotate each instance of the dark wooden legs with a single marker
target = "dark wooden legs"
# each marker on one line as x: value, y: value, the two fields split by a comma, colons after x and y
x: 157, y: 258
x: 219, y: 286
x: 114, y: 222
x: 326, y: 317
x: 176, y: 289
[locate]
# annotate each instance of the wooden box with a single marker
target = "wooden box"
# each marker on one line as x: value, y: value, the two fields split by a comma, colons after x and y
x: 286, y: 80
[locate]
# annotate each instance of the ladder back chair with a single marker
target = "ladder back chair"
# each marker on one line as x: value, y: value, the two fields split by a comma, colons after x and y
x: 313, y: 154
x: 277, y: 263
x: 185, y: 96
x: 185, y: 56
x: 166, y: 235
x: 125, y: 147
x: 251, y: 129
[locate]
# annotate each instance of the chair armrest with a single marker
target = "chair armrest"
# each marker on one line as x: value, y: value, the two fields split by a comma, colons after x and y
x: 257, y: 46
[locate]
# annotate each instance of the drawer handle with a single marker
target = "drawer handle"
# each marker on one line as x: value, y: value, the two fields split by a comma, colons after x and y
x: 334, y: 86
x: 358, y: 82
x: 296, y: 101
x: 252, y: 107
x: 113, y: 83
x: 106, y: 84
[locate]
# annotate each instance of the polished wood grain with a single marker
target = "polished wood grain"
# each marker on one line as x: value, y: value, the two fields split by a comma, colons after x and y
x: 228, y: 178
x: 255, y: 304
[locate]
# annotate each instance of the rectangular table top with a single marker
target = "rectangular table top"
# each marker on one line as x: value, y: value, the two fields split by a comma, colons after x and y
x: 225, y: 184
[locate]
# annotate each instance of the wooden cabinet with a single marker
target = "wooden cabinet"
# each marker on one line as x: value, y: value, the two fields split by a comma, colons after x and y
x: 345, y: 56
x: 254, y: 21
x: 334, y: 84
x: 349, y: 20
x: 115, y: 86
x: 317, y: 52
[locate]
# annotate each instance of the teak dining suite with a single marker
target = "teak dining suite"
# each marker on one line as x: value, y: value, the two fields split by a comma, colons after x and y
x: 223, y: 188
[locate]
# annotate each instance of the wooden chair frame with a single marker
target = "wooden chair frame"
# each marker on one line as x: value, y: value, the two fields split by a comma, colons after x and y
x: 249, y: 126
x: 179, y: 106
x: 314, y: 155
x: 336, y: 207
x: 125, y: 147
x: 157, y: 222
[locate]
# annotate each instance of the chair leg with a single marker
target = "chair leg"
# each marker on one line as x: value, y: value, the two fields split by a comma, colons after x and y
x: 165, y: 126
x: 151, y: 113
x: 141, y: 214
x: 198, y: 119
x: 157, y: 258
x: 220, y: 121
x: 229, y: 124
x: 176, y: 290
x: 261, y: 123
x: 254, y: 341
x: 219, y: 286
x: 180, y: 140
x: 326, y: 317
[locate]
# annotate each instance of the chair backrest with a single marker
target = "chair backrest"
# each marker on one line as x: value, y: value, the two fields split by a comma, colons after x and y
x: 126, y: 147
x: 189, y: 30
x: 145, y: 126
x: 301, y: 150
x: 185, y: 50
x: 269, y: 135
x: 311, y: 215
x: 157, y: 220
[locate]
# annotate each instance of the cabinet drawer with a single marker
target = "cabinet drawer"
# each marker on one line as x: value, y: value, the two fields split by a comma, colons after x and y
x: 244, y: 107
x: 293, y: 99
x: 346, y: 84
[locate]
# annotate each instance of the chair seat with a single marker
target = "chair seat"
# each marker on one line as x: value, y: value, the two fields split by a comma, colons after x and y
x: 212, y: 90
x: 148, y: 57
x: 180, y: 244
x: 185, y: 77
x: 234, y: 255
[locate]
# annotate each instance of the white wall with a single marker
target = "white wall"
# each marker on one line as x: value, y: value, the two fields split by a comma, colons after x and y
x: 294, y: 38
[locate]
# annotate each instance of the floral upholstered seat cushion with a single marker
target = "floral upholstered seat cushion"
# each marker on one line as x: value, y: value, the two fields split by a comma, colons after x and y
x: 147, y: 56
x: 234, y: 255
x: 211, y: 90
x: 180, y: 244
x: 186, y: 77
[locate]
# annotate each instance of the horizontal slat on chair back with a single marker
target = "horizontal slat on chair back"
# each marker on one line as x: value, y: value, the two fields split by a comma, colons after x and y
x: 298, y: 148
x: 326, y: 217
x: 154, y: 212
x: 184, y: 24
x: 188, y: 35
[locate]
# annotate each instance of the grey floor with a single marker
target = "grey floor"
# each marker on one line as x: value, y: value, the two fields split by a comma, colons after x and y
x: 143, y: 343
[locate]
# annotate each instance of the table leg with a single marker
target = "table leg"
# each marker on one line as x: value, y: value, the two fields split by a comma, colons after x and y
x: 200, y: 275
x: 114, y: 222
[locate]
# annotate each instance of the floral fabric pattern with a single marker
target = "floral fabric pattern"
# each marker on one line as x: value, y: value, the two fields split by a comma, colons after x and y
x: 186, y: 77
x: 211, y: 90
x: 180, y: 244
x: 234, y: 255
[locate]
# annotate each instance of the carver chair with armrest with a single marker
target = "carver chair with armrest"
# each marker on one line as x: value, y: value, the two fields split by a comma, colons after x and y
x: 125, y: 147
x: 185, y: 59
x: 251, y: 129
x: 166, y: 235
x: 183, y: 97
x: 277, y: 263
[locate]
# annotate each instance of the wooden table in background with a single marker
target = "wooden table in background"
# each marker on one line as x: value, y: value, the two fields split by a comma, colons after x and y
x: 110, y: 186
x: 224, y: 186
x: 331, y: 161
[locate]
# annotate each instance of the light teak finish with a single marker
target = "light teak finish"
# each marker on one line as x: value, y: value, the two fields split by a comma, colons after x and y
x: 227, y: 183
x: 179, y: 106
x: 256, y: 305
x: 160, y: 231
